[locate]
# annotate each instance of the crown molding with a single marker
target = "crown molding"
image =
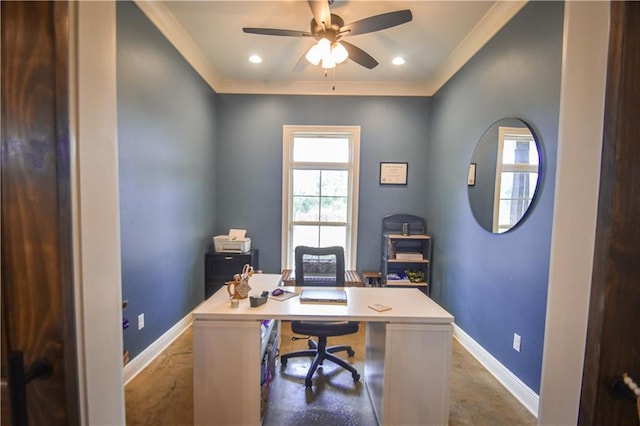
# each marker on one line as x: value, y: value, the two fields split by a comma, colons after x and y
x: 496, y: 18
x: 173, y: 31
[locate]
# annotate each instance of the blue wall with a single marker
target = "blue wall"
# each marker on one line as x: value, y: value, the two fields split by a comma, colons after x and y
x: 250, y: 162
x: 496, y: 285
x: 167, y: 172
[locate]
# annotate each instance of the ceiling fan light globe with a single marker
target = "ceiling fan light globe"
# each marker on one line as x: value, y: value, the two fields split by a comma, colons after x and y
x: 313, y: 55
x: 339, y: 53
x: 328, y: 62
x: 324, y: 47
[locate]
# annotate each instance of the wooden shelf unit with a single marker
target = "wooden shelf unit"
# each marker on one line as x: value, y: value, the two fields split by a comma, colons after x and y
x: 405, y: 252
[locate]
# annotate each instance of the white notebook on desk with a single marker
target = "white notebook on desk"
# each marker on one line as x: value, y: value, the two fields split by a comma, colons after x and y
x: 309, y: 295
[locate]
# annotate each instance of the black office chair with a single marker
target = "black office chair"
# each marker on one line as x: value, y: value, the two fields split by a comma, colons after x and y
x: 321, y: 267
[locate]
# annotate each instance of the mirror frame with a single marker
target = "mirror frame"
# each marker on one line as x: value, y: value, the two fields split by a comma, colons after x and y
x: 485, y: 144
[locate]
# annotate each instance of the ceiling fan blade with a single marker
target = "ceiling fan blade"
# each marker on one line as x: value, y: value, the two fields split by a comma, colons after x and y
x: 321, y: 12
x: 359, y: 56
x: 276, y: 32
x: 302, y: 63
x: 377, y: 23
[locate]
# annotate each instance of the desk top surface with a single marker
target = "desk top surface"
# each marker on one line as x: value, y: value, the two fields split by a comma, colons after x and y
x: 408, y: 305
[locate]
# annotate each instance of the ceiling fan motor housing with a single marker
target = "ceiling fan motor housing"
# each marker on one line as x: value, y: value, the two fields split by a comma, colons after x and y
x: 331, y: 33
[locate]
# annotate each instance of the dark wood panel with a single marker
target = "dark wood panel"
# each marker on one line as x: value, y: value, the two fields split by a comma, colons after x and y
x: 613, y: 340
x: 37, y: 287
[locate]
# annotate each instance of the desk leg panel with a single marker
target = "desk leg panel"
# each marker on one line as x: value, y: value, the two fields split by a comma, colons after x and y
x: 374, y: 365
x: 226, y: 372
x: 417, y: 374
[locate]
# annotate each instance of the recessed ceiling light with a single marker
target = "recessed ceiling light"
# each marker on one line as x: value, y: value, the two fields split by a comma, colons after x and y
x: 398, y: 60
x: 255, y: 59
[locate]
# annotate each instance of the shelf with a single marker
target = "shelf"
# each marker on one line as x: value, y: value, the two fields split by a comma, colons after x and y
x: 408, y: 237
x: 391, y: 283
x: 405, y: 256
x: 265, y: 334
x: 407, y: 261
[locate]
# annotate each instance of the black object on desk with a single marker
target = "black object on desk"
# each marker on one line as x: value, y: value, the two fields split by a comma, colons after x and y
x: 221, y: 267
x: 255, y: 301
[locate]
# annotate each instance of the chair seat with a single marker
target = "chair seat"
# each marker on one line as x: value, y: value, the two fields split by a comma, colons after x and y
x: 324, y: 328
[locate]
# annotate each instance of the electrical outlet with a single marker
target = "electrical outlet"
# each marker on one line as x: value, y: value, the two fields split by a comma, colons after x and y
x: 140, y: 321
x: 516, y: 342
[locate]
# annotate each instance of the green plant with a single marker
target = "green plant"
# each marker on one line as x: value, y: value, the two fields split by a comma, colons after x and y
x: 415, y: 276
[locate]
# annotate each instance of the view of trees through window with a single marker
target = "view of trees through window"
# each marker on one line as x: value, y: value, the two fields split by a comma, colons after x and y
x: 320, y: 202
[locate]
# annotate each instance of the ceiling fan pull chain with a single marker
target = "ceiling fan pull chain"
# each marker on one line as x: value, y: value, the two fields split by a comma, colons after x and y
x: 334, y: 80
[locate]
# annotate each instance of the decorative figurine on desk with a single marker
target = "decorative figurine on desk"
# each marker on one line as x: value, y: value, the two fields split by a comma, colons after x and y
x: 240, y: 283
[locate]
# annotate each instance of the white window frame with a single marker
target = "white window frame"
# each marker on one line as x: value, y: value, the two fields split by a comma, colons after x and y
x: 519, y: 133
x: 288, y: 165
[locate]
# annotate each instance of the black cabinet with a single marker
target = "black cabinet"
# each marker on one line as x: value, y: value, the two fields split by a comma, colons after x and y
x: 221, y: 267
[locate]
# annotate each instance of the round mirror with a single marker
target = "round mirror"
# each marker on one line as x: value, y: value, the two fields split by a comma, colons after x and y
x: 504, y: 175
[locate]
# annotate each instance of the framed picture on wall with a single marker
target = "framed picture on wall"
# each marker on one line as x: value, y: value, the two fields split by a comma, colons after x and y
x: 471, y: 177
x: 393, y: 173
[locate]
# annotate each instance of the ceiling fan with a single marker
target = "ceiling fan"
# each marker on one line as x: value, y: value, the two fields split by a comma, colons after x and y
x: 329, y: 29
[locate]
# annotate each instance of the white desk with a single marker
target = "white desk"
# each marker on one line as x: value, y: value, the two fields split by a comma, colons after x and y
x: 407, y: 364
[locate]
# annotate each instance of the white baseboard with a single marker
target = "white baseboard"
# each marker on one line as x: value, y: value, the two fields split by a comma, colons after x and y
x: 144, y: 358
x: 523, y: 393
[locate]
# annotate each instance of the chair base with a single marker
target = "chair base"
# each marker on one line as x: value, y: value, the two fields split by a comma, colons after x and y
x: 321, y: 352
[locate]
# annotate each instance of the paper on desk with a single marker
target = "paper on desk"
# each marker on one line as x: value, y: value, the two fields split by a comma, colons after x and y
x: 237, y: 234
x: 379, y: 307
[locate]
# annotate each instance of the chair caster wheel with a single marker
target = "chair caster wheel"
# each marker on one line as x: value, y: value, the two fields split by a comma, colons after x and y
x: 350, y: 352
x: 356, y: 377
x: 308, y: 384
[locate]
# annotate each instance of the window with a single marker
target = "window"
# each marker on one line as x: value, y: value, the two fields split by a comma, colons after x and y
x: 516, y: 176
x: 320, y: 189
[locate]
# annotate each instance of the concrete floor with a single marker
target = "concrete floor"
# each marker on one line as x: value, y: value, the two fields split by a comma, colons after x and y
x: 162, y: 394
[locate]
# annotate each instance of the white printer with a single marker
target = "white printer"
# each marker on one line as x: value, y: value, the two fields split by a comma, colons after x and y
x: 235, y: 242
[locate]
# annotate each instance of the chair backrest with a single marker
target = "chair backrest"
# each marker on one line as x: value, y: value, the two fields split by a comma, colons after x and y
x: 319, y: 266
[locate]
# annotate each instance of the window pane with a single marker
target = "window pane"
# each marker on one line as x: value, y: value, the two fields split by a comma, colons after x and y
x: 335, y: 182
x: 334, y: 209
x: 306, y: 182
x: 517, y: 184
x: 318, y: 236
x: 305, y: 235
x: 511, y: 211
x: 306, y: 209
x: 330, y: 150
x: 333, y: 236
x: 519, y: 152
x: 504, y: 218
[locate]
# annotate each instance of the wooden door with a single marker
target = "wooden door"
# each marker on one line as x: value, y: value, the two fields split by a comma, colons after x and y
x: 613, y: 337
x: 36, y: 281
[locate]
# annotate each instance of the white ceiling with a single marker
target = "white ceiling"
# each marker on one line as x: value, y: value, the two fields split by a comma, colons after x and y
x: 442, y: 36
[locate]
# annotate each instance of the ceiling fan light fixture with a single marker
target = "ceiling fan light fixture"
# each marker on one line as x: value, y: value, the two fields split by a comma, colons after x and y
x: 398, y: 60
x: 323, y: 53
x: 313, y: 55
x: 324, y: 47
x: 328, y: 62
x: 339, y: 53
x: 255, y: 59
